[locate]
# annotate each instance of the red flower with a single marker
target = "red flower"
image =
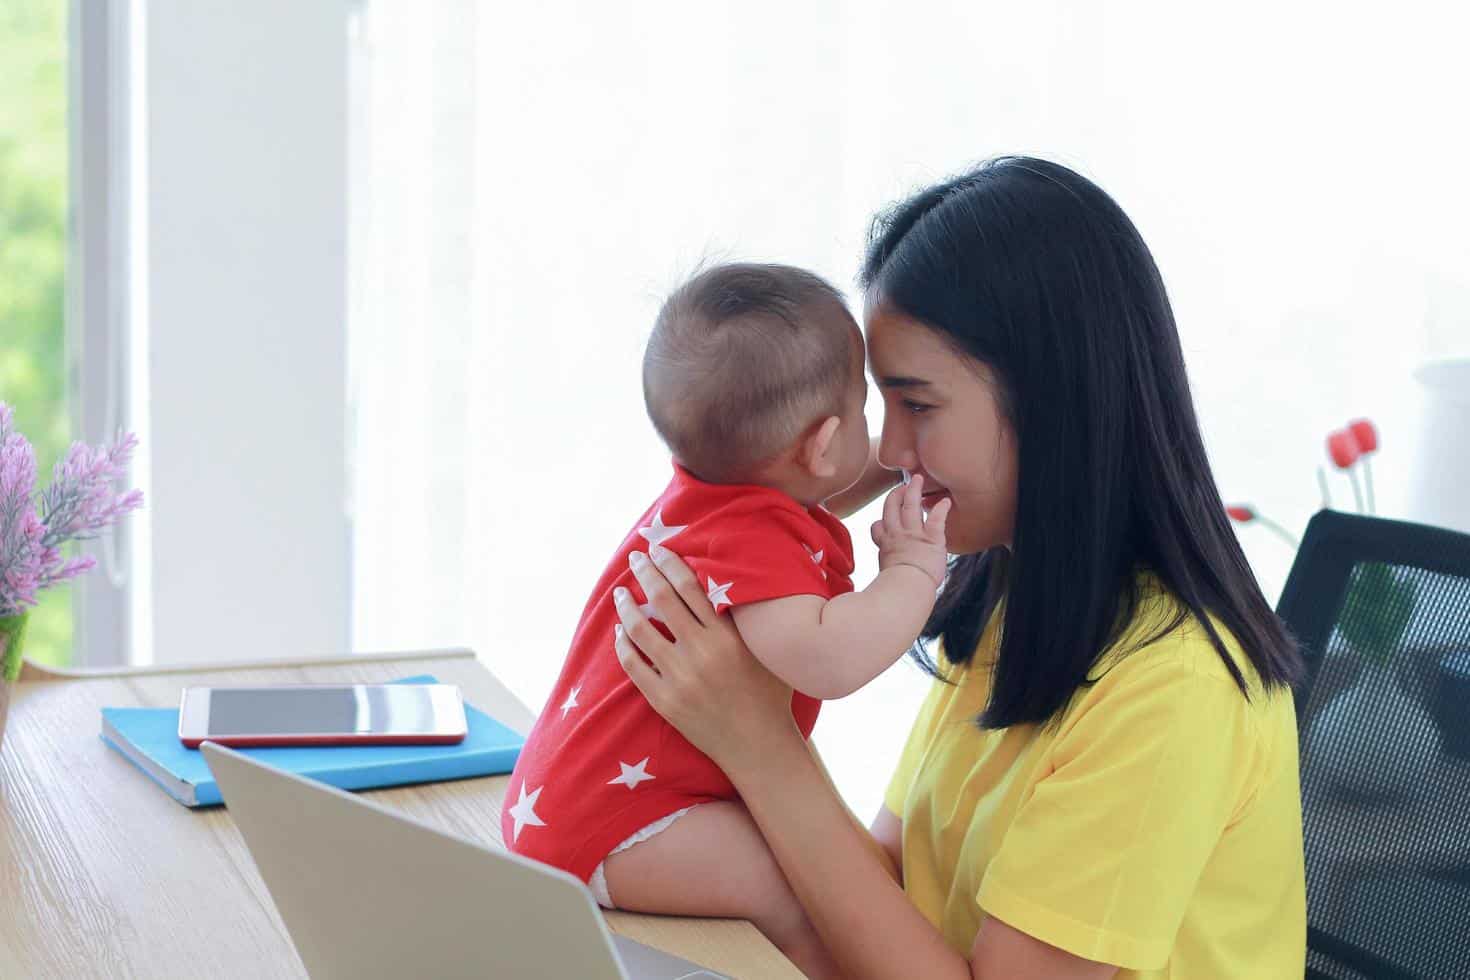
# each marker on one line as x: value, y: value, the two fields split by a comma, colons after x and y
x: 1241, y: 514
x: 1343, y: 447
x: 1366, y: 435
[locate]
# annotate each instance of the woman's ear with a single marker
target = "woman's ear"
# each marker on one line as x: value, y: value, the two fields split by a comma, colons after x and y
x: 815, y: 455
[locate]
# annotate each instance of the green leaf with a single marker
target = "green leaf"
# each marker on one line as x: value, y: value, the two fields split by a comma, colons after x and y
x: 1379, y: 604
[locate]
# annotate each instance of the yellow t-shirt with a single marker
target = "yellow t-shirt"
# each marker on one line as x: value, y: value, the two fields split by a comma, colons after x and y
x: 1156, y: 827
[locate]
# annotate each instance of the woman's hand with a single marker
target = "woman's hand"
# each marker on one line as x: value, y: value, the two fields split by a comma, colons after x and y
x: 706, y: 683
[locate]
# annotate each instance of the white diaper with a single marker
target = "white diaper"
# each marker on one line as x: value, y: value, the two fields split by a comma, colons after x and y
x: 598, y: 881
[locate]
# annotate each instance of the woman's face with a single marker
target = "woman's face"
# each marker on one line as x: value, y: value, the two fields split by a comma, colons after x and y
x: 942, y: 418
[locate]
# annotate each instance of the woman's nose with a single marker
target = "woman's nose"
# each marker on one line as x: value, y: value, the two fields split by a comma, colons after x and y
x: 894, y: 451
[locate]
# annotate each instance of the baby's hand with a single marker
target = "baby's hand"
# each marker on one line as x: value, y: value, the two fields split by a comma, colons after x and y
x: 904, y: 537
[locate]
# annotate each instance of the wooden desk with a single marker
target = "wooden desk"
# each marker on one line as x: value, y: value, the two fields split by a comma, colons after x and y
x: 102, y: 874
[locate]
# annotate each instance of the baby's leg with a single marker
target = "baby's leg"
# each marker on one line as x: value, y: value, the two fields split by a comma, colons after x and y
x: 714, y: 862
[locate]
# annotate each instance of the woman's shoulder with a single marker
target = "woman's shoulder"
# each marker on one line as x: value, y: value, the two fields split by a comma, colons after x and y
x: 1167, y: 651
x: 1168, y: 687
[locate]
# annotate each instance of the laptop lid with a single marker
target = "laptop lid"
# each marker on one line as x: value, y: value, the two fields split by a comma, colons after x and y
x: 366, y: 892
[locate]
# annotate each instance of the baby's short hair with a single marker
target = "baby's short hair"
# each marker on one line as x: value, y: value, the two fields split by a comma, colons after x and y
x: 743, y: 358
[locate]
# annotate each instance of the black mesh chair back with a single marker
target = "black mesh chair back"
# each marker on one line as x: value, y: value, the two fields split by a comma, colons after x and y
x: 1382, y: 610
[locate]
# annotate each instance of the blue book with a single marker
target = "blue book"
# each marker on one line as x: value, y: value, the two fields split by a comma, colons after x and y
x: 149, y: 739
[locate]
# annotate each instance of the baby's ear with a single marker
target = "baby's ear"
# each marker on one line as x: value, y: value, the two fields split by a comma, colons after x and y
x: 817, y: 445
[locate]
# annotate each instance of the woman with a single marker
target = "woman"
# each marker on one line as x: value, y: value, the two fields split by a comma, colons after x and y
x: 1102, y: 780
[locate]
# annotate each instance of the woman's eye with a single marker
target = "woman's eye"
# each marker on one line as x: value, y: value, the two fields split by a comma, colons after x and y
x: 915, y: 408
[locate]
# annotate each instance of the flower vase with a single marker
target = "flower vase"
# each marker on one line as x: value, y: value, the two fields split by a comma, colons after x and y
x: 12, y: 638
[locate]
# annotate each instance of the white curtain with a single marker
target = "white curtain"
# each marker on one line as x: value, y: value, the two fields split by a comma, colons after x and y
x: 529, y: 180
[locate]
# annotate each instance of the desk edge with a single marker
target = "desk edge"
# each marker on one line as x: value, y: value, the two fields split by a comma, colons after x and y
x: 30, y: 671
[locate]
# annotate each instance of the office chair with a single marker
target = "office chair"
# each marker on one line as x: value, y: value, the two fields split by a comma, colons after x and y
x: 1382, y: 611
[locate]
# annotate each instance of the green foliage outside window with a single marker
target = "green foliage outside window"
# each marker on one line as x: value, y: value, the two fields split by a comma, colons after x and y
x: 33, y: 208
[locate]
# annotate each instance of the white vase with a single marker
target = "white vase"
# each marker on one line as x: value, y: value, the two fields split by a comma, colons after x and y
x: 1373, y: 741
x: 1441, y: 473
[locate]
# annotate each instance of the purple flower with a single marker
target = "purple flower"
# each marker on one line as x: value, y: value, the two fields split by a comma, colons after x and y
x: 79, y: 502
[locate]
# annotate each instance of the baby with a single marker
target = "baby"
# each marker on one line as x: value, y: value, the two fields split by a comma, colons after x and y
x: 754, y: 378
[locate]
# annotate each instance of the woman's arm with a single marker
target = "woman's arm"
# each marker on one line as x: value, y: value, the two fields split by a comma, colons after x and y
x: 855, y: 904
x: 860, y: 912
x: 737, y: 712
x: 885, y: 851
x: 887, y: 830
x: 880, y: 933
x: 874, y: 481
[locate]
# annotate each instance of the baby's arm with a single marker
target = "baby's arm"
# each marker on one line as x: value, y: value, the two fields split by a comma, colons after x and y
x: 876, y: 480
x: 828, y: 648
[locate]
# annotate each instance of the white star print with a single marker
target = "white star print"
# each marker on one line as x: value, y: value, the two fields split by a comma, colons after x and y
x: 718, y: 594
x: 524, y: 812
x: 571, y: 701
x: 657, y: 533
x: 632, y: 775
x: 817, y: 560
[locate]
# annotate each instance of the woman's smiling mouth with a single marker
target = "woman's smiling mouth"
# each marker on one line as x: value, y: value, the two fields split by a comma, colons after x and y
x: 932, y: 497
x: 929, y: 497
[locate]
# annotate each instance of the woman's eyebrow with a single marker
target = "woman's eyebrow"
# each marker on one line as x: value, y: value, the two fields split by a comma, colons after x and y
x: 901, y: 381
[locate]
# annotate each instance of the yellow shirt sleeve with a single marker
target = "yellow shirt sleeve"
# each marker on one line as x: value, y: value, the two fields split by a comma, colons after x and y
x: 1103, y: 856
x: 918, y: 742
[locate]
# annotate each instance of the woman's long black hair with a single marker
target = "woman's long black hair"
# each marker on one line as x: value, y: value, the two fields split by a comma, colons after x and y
x: 1034, y: 270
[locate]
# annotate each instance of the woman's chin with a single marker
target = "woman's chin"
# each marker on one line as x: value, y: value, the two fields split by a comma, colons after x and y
x: 961, y: 540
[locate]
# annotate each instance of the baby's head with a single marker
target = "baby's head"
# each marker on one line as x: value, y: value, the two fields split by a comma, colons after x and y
x: 754, y: 374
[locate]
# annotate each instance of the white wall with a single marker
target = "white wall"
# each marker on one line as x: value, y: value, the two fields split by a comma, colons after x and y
x: 1296, y: 170
x: 245, y: 202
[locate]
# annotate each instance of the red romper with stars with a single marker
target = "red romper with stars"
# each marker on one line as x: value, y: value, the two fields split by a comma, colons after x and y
x: 600, y: 763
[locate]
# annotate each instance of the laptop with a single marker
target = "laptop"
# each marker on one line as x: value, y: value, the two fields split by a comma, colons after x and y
x: 366, y: 892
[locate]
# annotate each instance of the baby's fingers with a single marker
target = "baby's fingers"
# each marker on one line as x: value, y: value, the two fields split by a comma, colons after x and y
x: 893, y: 506
x: 911, y: 512
x: 938, y: 516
